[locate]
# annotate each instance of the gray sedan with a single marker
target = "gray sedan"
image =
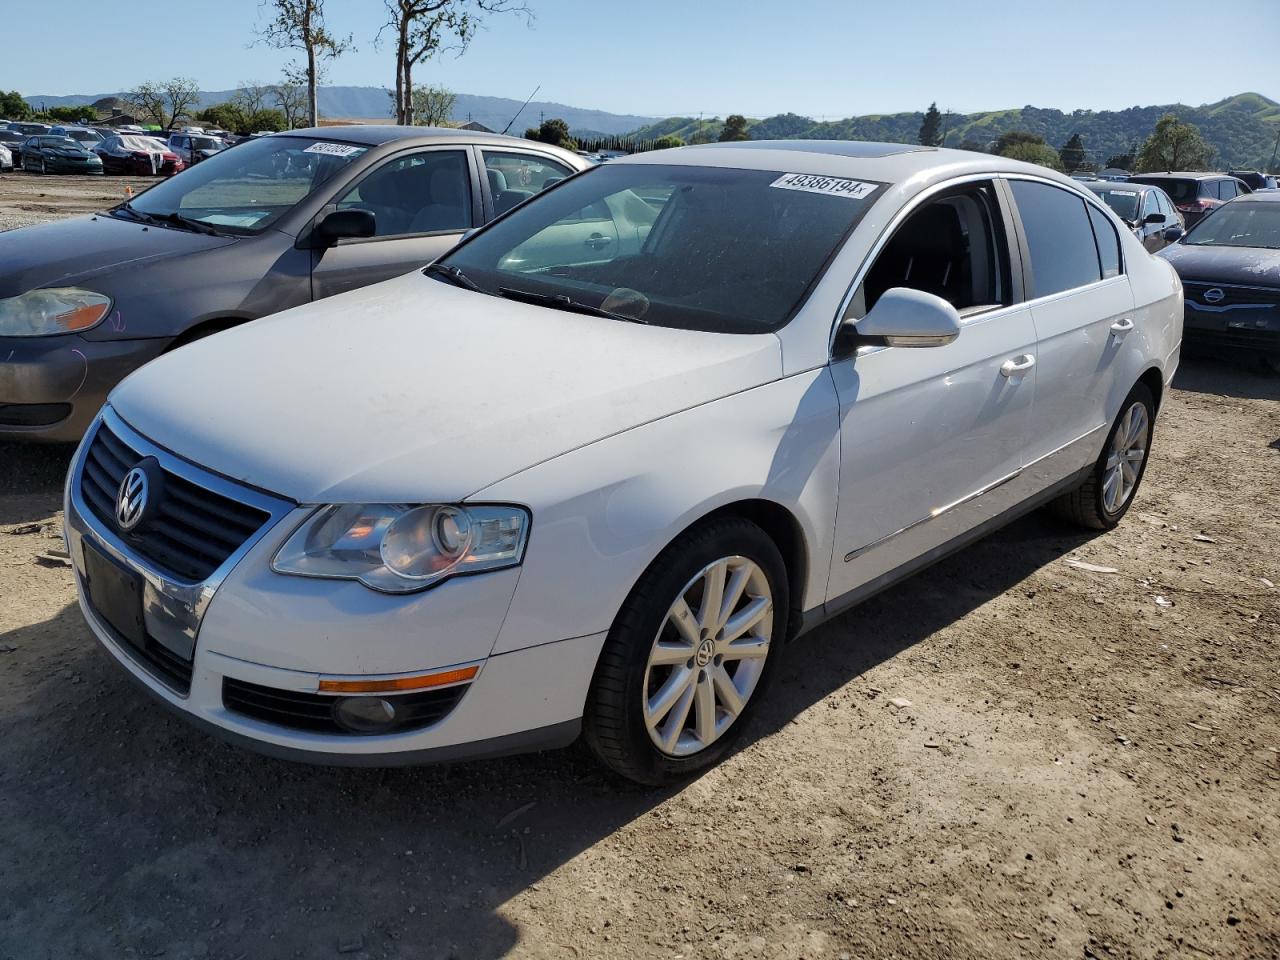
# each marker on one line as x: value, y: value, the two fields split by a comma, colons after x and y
x: 269, y: 224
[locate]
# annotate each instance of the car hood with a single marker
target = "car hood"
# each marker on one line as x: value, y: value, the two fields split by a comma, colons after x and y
x: 77, y: 250
x: 1249, y: 266
x: 413, y: 390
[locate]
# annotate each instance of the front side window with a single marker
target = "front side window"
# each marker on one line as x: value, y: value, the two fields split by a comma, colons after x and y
x: 1150, y: 205
x: 701, y: 248
x: 515, y: 177
x: 1059, y: 235
x: 953, y: 247
x: 246, y: 190
x: 425, y: 192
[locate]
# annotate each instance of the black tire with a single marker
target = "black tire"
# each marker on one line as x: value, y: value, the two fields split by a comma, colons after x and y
x: 1085, y: 506
x: 613, y: 721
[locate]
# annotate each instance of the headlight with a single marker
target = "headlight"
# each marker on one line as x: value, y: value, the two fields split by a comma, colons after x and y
x: 38, y: 313
x: 399, y: 548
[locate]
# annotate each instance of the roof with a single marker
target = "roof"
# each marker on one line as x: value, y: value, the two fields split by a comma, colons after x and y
x: 1184, y: 174
x: 906, y: 164
x: 374, y: 135
x: 1261, y: 196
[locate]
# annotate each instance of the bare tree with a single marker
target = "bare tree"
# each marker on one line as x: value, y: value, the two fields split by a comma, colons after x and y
x: 299, y: 25
x: 425, y: 28
x: 290, y: 97
x: 164, y: 102
x: 251, y: 97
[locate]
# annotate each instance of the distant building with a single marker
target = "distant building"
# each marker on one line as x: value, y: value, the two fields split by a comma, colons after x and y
x: 122, y: 119
x: 475, y: 126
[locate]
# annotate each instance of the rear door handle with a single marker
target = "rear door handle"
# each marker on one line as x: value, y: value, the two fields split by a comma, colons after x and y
x: 1121, y: 327
x: 1018, y: 365
x: 597, y: 241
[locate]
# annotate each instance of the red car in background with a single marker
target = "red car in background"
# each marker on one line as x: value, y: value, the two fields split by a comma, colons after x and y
x: 131, y: 153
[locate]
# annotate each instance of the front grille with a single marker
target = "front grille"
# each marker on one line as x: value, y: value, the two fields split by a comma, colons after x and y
x: 314, y: 711
x: 188, y: 532
x: 162, y: 663
x: 1232, y: 295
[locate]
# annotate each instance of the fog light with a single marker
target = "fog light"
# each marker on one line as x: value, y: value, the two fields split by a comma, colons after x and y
x: 365, y: 714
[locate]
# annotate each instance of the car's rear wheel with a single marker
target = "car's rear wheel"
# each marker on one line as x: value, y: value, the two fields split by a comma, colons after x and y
x: 1105, y: 496
x: 690, y: 653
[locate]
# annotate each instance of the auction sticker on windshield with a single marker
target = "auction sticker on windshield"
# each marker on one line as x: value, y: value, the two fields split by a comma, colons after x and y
x: 334, y: 149
x: 833, y: 186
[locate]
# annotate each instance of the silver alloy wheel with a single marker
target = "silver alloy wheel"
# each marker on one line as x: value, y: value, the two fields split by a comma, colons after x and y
x: 704, y: 666
x: 1128, y: 450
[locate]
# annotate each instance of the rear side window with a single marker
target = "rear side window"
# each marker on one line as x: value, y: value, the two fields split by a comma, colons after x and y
x: 1108, y: 243
x: 1064, y: 254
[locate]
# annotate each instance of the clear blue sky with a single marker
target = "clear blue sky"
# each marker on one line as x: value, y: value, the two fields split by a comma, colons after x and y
x: 822, y: 58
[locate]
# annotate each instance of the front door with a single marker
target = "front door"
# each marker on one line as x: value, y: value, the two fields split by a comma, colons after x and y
x: 422, y: 202
x: 931, y: 437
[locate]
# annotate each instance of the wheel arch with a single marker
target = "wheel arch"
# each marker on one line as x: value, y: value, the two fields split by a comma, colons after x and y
x: 1153, y: 379
x: 204, y: 328
x: 787, y: 533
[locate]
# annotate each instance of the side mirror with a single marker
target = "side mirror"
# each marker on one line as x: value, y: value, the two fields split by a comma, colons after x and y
x: 345, y: 224
x: 903, y: 317
x: 1173, y: 234
x: 1154, y: 218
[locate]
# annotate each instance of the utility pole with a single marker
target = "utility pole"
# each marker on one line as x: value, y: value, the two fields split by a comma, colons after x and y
x: 1271, y: 167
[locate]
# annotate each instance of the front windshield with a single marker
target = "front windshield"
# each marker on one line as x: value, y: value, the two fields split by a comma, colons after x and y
x: 1255, y: 224
x: 701, y: 248
x: 1123, y: 202
x: 246, y: 190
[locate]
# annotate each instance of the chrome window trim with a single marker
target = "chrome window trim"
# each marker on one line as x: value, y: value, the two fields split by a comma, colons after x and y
x: 182, y: 602
x: 908, y: 208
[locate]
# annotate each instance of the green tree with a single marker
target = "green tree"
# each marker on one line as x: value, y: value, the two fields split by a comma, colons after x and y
x: 735, y: 128
x: 1012, y: 138
x: 554, y: 131
x: 1174, y: 145
x: 667, y: 142
x: 931, y: 128
x: 1040, y: 153
x: 225, y: 116
x: 65, y: 114
x: 1121, y: 161
x: 1072, y: 153
x: 13, y: 107
x: 268, y: 118
x: 433, y: 105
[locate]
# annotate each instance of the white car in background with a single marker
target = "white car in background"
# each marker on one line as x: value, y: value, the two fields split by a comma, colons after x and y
x: 593, y: 470
x: 6, y: 158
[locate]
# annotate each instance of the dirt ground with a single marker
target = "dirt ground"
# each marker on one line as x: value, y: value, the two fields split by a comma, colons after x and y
x: 1089, y: 766
x: 27, y: 198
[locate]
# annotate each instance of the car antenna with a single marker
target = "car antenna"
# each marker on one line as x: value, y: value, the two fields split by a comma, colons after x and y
x: 521, y: 110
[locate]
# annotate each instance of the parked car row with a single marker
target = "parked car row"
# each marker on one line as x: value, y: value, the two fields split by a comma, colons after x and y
x: 126, y: 150
x: 632, y: 428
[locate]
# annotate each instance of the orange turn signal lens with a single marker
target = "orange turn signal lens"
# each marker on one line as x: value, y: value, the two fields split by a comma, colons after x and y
x: 82, y: 318
x: 421, y: 682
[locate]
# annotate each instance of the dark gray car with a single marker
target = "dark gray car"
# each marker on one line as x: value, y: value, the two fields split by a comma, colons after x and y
x: 269, y: 224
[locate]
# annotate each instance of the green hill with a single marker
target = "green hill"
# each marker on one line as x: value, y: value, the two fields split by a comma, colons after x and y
x: 1243, y: 128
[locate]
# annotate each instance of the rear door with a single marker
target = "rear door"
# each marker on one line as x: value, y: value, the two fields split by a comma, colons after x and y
x: 1082, y: 306
x: 422, y: 201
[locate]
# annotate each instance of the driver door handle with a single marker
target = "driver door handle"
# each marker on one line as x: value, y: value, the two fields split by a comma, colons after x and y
x: 1121, y: 327
x: 1017, y: 365
x: 597, y: 241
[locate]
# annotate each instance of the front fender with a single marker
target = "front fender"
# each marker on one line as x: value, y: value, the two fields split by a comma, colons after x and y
x: 603, y: 512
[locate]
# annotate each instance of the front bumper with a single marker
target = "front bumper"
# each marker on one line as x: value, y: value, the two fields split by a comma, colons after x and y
x: 245, y: 623
x: 1243, y: 329
x: 51, y: 387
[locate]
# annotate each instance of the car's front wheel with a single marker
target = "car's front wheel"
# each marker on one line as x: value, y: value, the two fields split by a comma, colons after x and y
x: 690, y: 653
x: 1106, y: 494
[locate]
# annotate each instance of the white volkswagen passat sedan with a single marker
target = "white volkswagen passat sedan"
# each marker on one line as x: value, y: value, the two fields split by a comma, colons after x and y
x: 591, y: 472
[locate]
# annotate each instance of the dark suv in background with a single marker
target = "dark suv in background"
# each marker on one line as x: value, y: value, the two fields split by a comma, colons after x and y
x: 1196, y: 194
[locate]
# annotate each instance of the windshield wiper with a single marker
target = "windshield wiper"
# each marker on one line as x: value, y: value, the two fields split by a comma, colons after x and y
x: 562, y: 302
x: 199, y: 226
x: 137, y: 214
x: 456, y: 277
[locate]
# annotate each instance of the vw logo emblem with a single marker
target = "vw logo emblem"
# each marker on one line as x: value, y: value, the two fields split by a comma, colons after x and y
x: 1213, y: 295
x: 131, y: 499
